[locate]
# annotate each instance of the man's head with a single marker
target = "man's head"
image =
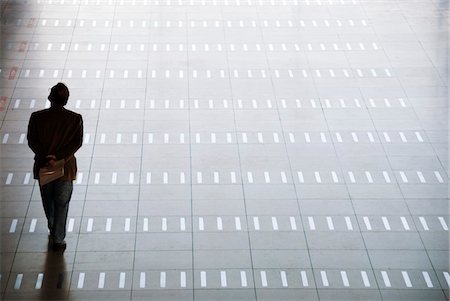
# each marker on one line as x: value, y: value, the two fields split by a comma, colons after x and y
x: 59, y: 94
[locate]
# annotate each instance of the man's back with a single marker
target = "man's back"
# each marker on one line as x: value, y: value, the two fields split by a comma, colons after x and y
x: 55, y: 131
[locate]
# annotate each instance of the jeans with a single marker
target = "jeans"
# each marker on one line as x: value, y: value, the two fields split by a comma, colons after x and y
x: 55, y: 198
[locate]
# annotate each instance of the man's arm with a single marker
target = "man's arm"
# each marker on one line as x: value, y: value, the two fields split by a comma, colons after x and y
x: 74, y: 144
x: 32, y: 135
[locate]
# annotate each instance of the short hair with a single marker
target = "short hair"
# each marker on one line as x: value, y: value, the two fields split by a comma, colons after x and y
x: 59, y: 94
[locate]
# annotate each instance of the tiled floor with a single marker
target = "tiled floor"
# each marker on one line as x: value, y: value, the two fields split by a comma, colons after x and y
x: 233, y: 149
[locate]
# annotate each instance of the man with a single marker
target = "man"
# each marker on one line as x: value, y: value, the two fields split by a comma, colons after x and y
x: 56, y: 134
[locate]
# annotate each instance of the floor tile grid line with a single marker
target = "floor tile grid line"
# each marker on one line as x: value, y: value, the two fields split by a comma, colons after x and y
x: 232, y: 3
x: 255, y: 137
x: 312, y: 138
x: 425, y: 132
x: 445, y: 169
x: 156, y: 46
x: 355, y: 73
x: 443, y: 80
x: 228, y: 22
x: 424, y: 246
x: 42, y: 22
x: 90, y: 223
x: 202, y: 2
x: 425, y: 249
x: 175, y: 177
x: 359, y: 226
x: 347, y: 189
x: 344, y: 138
x: 252, y: 266
x: 386, y: 274
x: 397, y: 182
x: 263, y: 137
x: 8, y: 278
x: 92, y: 151
x: 20, y: 104
x: 284, y: 218
x: 190, y: 163
x: 297, y: 192
x: 125, y: 106
x: 444, y: 19
x: 141, y: 164
x: 387, y: 158
x: 188, y: 67
x: 11, y: 47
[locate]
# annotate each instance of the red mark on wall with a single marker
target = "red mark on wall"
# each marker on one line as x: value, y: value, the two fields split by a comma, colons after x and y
x: 31, y: 22
x: 23, y: 46
x: 3, y: 101
x: 12, y: 73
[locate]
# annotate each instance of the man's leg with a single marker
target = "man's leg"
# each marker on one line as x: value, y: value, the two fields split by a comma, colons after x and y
x: 62, y: 194
x: 48, y: 204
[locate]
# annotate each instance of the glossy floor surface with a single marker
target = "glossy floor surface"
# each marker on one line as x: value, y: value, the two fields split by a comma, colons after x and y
x: 233, y: 149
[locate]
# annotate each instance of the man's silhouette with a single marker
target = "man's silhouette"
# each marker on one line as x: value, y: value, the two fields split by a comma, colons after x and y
x: 56, y: 134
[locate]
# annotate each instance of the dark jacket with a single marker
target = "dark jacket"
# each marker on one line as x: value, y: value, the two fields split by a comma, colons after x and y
x: 55, y: 131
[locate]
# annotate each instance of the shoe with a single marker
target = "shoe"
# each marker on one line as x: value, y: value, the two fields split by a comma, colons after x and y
x: 59, y: 246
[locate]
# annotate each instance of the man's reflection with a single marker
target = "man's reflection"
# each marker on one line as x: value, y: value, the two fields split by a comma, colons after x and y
x: 55, y: 284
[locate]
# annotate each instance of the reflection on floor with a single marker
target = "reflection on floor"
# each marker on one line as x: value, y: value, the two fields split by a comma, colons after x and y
x: 233, y: 149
